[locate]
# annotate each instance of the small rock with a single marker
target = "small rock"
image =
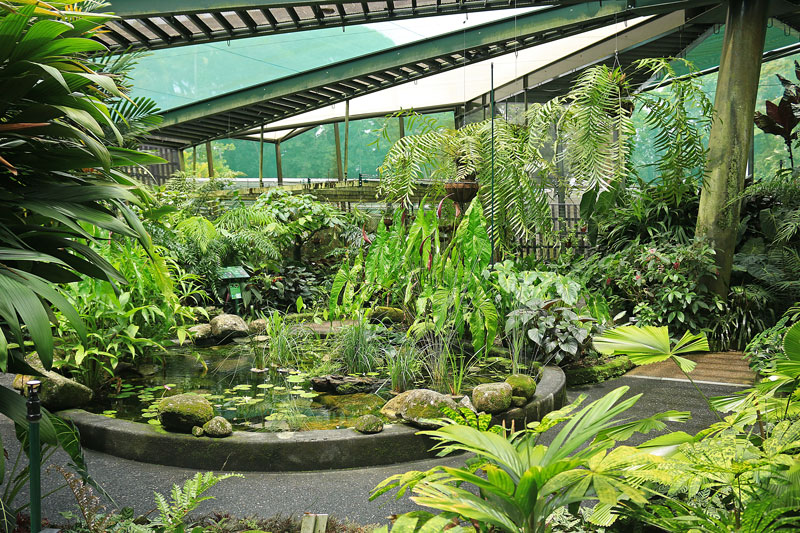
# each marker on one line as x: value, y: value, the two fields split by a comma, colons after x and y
x: 518, y: 401
x: 149, y: 369
x: 522, y: 385
x: 201, y: 335
x: 197, y: 431
x: 226, y: 327
x: 217, y: 427
x: 369, y: 424
x: 261, y: 338
x: 416, y: 406
x: 184, y: 411
x: 492, y: 398
x: 466, y: 402
x: 257, y: 326
x: 213, y: 312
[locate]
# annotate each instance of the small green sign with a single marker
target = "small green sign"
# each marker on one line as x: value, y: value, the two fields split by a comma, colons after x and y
x: 236, y: 291
x: 232, y: 272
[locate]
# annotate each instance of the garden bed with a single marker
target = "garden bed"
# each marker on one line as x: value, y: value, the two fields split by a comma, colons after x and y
x: 287, y: 451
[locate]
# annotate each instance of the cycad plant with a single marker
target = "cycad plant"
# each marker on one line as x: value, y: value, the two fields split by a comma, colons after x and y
x: 518, y: 482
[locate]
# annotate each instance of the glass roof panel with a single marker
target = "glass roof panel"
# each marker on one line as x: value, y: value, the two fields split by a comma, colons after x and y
x: 179, y: 76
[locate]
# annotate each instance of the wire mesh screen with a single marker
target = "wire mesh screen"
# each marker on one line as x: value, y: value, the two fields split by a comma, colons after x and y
x: 569, y: 231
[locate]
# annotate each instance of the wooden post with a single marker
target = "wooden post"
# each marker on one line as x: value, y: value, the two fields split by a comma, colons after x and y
x: 194, y: 160
x: 731, y: 133
x: 261, y: 158
x: 181, y: 160
x: 339, y: 172
x: 402, y: 127
x: 210, y: 159
x: 278, y: 162
x: 346, y: 134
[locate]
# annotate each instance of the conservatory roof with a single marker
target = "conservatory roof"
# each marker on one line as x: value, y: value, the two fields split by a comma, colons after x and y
x: 155, y: 24
x: 268, y: 103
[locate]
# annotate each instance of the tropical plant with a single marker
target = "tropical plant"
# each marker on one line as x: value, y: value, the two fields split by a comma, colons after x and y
x: 59, y: 178
x: 781, y: 119
x: 130, y: 324
x: 590, y: 131
x: 285, y: 343
x: 645, y: 345
x: 403, y: 364
x: 658, y: 283
x: 465, y: 416
x: 441, y: 286
x: 521, y: 482
x: 172, y: 514
x: 556, y: 333
x: 359, y: 346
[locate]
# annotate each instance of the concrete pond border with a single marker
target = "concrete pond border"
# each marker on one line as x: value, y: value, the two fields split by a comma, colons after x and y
x: 279, y: 452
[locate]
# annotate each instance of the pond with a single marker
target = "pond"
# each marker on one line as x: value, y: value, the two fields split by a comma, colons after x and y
x: 278, y: 399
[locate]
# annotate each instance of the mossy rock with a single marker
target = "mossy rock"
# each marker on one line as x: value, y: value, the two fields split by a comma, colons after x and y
x: 182, y: 412
x: 417, y: 407
x: 519, y: 401
x: 197, y: 431
x: 351, y: 404
x: 56, y: 392
x: 596, y: 374
x: 492, y: 398
x: 522, y: 385
x: 217, y: 427
x: 369, y: 424
x: 390, y: 314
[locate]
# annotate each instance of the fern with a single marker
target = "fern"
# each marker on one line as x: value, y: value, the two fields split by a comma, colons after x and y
x: 185, y: 500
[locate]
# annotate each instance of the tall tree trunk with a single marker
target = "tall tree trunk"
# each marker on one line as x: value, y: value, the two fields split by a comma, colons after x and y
x: 731, y: 133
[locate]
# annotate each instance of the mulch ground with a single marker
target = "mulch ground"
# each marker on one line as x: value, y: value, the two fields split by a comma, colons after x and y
x: 719, y: 367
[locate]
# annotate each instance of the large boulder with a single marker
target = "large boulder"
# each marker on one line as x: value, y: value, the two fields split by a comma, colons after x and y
x: 522, y: 385
x: 202, y: 335
x: 492, y: 398
x: 226, y: 327
x: 56, y: 391
x: 417, y: 406
x: 182, y: 412
x: 217, y: 427
x: 369, y: 424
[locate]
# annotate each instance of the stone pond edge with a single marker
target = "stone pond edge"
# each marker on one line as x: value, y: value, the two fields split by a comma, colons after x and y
x: 279, y: 452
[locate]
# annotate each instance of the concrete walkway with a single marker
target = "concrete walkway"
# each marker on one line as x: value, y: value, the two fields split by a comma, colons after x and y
x: 342, y: 493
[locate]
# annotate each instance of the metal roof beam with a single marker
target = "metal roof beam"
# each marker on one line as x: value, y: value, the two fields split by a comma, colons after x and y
x: 145, y: 10
x: 556, y: 22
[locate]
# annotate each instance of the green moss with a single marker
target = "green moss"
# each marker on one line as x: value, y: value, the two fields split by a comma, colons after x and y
x: 184, y: 411
x: 596, y: 374
x: 369, y: 424
x: 522, y: 385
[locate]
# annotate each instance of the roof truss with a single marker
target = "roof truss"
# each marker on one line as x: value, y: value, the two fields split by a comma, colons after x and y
x: 229, y: 114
